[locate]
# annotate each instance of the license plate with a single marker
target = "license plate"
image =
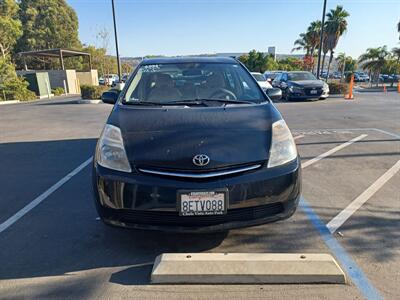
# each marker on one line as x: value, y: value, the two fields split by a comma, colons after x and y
x: 313, y: 92
x: 202, y: 203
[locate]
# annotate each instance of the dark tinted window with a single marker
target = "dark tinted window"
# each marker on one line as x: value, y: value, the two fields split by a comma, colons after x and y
x: 297, y: 76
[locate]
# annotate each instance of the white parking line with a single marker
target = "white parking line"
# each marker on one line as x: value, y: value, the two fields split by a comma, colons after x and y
x: 338, y: 221
x: 333, y: 150
x: 39, y: 199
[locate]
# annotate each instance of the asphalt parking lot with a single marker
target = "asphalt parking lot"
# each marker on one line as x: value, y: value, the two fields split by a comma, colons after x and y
x: 53, y: 245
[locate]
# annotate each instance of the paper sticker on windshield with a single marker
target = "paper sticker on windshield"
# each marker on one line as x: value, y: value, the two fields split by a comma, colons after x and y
x: 150, y: 68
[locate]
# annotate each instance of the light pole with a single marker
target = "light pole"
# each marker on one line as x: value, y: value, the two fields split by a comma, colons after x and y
x: 116, y: 41
x: 321, y: 39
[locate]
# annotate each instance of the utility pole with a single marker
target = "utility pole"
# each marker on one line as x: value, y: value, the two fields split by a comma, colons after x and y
x: 116, y: 41
x: 321, y: 39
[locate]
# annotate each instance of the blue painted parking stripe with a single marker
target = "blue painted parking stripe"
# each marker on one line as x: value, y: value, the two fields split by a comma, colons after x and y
x: 353, y: 271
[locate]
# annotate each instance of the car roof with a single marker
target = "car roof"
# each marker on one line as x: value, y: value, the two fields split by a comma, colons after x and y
x: 191, y: 59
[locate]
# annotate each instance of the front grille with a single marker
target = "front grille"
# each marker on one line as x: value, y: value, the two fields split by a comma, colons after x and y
x: 202, y: 173
x: 172, y: 218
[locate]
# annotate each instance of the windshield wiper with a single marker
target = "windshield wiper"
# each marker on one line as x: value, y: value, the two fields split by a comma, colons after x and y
x: 144, y: 103
x: 225, y: 100
x: 185, y: 102
x: 197, y: 101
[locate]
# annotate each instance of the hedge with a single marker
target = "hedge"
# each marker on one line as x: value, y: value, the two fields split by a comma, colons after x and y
x: 58, y: 91
x: 92, y: 91
x: 336, y: 88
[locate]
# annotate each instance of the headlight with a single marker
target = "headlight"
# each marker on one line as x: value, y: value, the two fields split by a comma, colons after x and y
x: 110, y: 151
x: 283, y: 147
x: 295, y: 89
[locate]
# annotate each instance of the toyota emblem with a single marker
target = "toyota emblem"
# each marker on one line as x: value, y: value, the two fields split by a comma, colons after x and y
x: 201, y: 160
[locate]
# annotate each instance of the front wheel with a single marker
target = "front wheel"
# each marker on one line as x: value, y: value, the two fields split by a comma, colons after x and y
x: 286, y: 96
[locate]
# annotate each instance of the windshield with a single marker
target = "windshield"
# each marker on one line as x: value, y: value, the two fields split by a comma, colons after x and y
x: 271, y: 75
x: 163, y: 83
x: 259, y: 77
x: 297, y: 76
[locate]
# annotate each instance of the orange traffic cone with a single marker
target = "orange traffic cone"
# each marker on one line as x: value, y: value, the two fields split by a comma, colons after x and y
x: 350, y: 96
x: 384, y: 89
x: 398, y: 86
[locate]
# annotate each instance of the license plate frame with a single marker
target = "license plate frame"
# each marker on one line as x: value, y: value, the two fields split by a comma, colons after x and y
x: 202, y: 193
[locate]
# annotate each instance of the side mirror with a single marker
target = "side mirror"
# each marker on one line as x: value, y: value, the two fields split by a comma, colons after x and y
x: 110, y: 97
x: 274, y: 94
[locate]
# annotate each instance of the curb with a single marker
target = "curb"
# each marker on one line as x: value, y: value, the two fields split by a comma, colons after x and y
x: 9, y: 102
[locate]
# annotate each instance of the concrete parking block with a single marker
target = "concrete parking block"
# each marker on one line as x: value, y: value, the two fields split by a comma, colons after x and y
x: 246, y: 268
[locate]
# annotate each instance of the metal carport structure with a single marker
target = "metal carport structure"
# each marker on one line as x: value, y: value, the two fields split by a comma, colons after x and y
x: 61, y: 53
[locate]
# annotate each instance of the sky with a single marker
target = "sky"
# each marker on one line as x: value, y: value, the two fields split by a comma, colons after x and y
x: 178, y: 27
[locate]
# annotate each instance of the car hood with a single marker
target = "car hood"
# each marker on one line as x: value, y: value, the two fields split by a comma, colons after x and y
x: 169, y: 138
x: 308, y: 83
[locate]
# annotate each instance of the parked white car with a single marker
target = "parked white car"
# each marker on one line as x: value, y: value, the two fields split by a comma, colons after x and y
x: 325, y: 91
x: 264, y: 84
x: 109, y: 79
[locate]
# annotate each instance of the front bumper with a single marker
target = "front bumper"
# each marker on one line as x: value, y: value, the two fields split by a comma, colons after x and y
x: 302, y: 96
x: 150, y: 202
x: 325, y: 94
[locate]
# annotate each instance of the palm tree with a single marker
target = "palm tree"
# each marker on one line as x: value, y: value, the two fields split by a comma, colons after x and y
x: 325, y: 50
x: 314, y: 33
x: 373, y: 60
x: 396, y: 55
x: 309, y: 41
x: 302, y: 43
x: 341, y: 60
x: 398, y: 29
x: 336, y: 25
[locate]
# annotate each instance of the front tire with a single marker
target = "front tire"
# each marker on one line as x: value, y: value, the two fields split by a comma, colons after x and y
x: 286, y: 96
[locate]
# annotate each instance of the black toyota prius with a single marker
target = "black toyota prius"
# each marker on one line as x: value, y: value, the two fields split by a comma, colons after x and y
x: 194, y: 144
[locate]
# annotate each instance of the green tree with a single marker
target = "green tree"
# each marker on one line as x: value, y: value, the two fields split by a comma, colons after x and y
x: 47, y: 24
x: 341, y: 61
x: 98, y: 56
x: 395, y: 62
x: 258, y: 61
x: 291, y: 64
x: 335, y: 26
x: 12, y: 87
x: 346, y: 63
x: 374, y: 60
x: 396, y: 53
x: 351, y: 64
x: 10, y: 26
x: 126, y: 67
